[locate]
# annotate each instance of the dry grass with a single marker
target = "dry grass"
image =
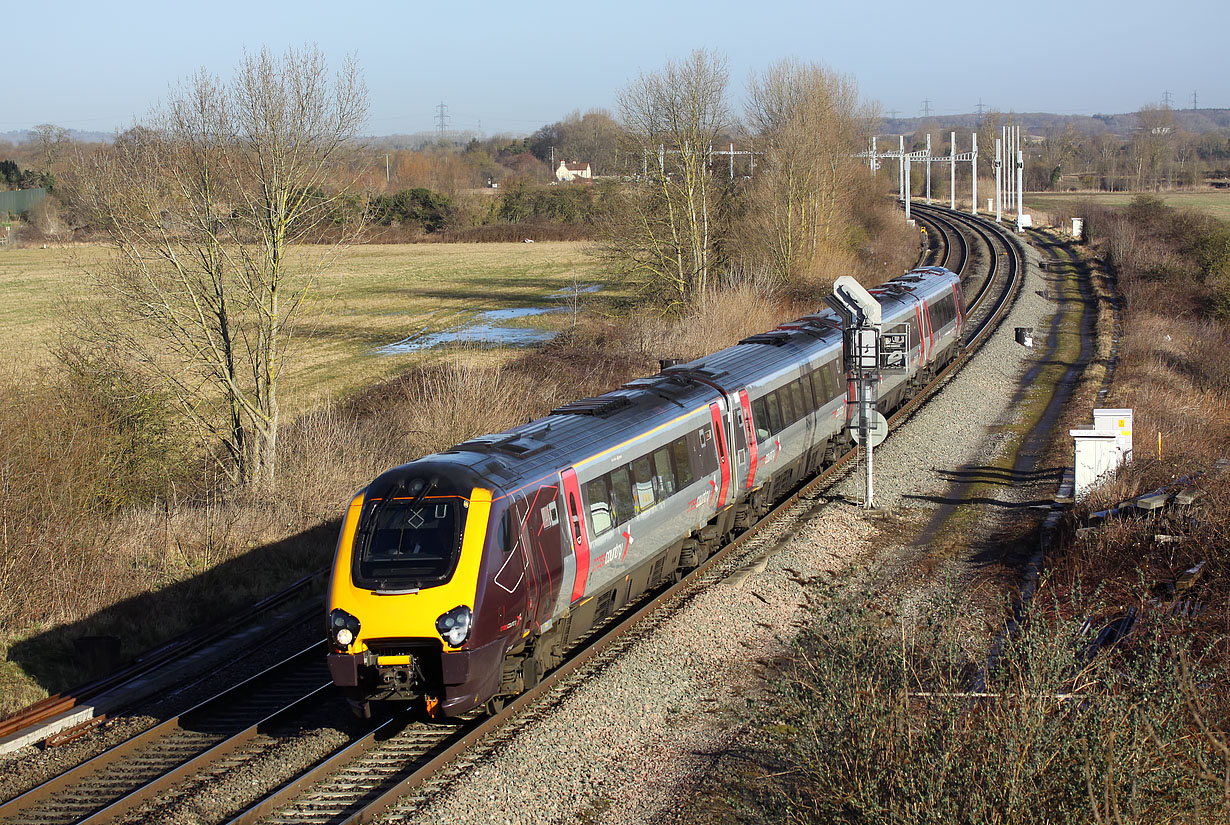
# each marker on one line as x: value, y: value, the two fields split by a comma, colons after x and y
x: 375, y: 295
x: 1214, y: 202
x: 1174, y: 375
x: 91, y: 565
x: 867, y: 720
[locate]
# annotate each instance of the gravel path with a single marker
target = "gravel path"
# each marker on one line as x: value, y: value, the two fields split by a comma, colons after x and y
x: 628, y: 743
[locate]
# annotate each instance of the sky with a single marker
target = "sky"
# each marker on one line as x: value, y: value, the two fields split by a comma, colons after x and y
x: 502, y: 67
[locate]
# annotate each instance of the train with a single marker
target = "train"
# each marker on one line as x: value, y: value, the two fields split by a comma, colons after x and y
x: 461, y: 578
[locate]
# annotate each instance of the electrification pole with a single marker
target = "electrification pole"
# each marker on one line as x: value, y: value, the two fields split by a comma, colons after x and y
x: 901, y: 166
x: 998, y: 190
x: 952, y: 171
x: 973, y: 168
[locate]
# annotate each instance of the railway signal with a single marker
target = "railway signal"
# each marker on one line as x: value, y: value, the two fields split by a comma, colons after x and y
x: 860, y: 324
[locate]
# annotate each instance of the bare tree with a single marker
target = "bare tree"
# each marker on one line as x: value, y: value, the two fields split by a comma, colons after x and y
x: 592, y: 137
x: 665, y: 236
x: 1152, y: 144
x: 809, y: 125
x: 203, y: 205
x: 51, y: 141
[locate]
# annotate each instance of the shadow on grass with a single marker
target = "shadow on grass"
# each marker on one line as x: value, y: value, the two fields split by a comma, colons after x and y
x: 58, y: 659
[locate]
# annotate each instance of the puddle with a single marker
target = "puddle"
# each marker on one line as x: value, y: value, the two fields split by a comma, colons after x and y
x: 485, y: 329
x: 488, y: 327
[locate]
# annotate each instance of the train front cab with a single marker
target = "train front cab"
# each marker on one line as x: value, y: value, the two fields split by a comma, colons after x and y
x: 411, y: 616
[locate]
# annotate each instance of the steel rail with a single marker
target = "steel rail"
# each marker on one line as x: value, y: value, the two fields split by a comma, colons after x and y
x: 471, y: 734
x: 455, y: 741
x: 174, y: 649
x: 56, y: 787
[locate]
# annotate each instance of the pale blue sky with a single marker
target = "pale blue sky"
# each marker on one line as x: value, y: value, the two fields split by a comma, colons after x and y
x: 512, y: 67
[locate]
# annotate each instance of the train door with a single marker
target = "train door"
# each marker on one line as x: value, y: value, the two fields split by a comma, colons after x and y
x: 578, y: 535
x: 551, y: 557
x: 920, y: 311
x: 720, y: 441
x: 748, y: 436
x: 519, y: 562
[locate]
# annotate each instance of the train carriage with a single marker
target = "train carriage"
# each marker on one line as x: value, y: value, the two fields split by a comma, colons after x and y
x: 462, y: 577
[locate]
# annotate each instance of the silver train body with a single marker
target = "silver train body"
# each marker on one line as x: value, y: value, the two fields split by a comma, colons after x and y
x: 462, y: 577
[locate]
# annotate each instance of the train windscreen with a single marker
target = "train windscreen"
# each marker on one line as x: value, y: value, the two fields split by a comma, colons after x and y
x: 409, y: 538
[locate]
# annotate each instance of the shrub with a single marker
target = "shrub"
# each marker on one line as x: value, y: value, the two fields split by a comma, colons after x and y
x: 870, y: 720
x: 412, y: 207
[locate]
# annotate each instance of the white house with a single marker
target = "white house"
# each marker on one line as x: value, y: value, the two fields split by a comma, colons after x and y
x: 570, y: 171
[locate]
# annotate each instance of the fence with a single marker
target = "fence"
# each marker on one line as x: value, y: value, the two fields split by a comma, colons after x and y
x: 21, y: 200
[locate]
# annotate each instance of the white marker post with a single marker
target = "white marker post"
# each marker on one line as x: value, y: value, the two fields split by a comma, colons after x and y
x: 860, y: 315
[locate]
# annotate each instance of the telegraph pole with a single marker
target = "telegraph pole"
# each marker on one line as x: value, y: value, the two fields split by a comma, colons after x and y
x: 1020, y: 187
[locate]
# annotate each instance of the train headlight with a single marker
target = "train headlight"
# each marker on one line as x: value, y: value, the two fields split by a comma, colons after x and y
x: 343, y: 628
x: 454, y: 626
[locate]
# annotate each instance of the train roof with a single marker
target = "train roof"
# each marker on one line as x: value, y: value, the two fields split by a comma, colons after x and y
x: 589, y: 426
x: 582, y: 428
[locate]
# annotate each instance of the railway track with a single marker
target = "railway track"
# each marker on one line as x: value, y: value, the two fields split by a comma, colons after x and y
x: 363, y: 784
x: 121, y: 779
x: 172, y: 651
x: 386, y: 763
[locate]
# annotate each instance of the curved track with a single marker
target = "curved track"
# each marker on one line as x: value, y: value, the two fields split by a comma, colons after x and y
x: 333, y: 791
x: 383, y: 765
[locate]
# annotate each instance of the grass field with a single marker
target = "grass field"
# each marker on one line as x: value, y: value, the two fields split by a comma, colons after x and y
x: 1215, y: 203
x: 373, y: 296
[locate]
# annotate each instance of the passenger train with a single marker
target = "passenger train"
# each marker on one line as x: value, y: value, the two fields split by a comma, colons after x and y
x: 462, y: 577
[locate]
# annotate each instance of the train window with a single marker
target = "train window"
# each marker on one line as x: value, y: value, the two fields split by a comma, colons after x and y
x: 817, y: 387
x: 801, y: 402
x: 621, y: 495
x: 503, y: 537
x: 835, y: 380
x: 410, y: 540
x: 600, y: 516
x: 642, y: 484
x: 773, y: 414
x: 943, y: 310
x: 663, y: 475
x: 760, y: 417
x: 788, y: 411
x: 683, y: 463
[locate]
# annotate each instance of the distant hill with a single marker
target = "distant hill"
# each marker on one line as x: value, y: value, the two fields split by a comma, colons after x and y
x: 24, y: 135
x: 1191, y: 120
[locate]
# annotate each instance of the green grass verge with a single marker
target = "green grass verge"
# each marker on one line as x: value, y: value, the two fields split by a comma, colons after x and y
x: 372, y: 296
x: 1213, y: 202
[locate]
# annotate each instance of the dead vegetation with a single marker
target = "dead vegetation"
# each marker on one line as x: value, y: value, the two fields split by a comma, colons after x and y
x: 1111, y: 703
x: 109, y: 516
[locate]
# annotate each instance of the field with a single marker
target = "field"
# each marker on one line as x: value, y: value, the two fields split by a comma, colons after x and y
x: 371, y: 297
x: 1213, y: 202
